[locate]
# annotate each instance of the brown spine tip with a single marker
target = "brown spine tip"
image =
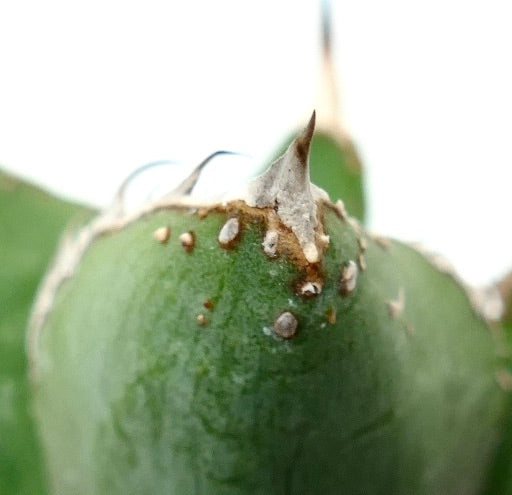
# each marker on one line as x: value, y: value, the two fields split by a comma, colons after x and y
x: 286, y: 325
x: 162, y: 235
x: 303, y: 142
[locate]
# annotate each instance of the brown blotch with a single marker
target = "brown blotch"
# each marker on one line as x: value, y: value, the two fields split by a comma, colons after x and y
x: 208, y: 304
x: 331, y: 316
x: 286, y: 325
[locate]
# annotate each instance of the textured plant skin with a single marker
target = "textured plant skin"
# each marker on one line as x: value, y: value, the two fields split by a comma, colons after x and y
x: 31, y: 223
x: 157, y: 369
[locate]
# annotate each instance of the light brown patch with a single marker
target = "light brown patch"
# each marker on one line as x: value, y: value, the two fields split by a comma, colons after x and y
x: 331, y: 316
x: 202, y: 212
x: 162, y: 234
x: 201, y: 319
x: 188, y: 241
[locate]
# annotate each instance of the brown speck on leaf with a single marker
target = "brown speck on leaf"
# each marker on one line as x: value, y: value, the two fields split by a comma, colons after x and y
x: 208, y: 304
x: 229, y: 232
x: 202, y: 213
x: 504, y: 379
x: 331, y: 316
x: 361, y: 261
x: 201, y: 319
x: 348, y: 280
x: 162, y: 235
x: 188, y: 241
x: 286, y: 325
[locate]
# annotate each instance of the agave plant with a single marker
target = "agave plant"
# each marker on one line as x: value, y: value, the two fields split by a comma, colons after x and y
x: 263, y: 342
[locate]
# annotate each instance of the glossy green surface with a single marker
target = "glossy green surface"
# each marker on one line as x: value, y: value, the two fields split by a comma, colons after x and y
x: 136, y: 397
x: 31, y: 223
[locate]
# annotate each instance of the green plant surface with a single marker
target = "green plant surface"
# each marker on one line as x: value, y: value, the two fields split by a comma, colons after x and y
x: 500, y: 475
x: 336, y: 168
x: 31, y: 223
x: 135, y: 394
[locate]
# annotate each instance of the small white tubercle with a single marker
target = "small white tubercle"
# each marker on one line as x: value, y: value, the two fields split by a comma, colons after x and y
x: 229, y: 231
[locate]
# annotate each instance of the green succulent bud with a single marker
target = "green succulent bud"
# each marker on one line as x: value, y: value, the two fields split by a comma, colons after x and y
x: 262, y: 344
x: 31, y: 222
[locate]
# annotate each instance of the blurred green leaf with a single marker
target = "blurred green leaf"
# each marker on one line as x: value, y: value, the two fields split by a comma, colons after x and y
x: 31, y: 222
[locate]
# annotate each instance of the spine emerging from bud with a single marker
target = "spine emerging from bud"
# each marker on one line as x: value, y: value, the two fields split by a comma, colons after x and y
x: 278, y: 348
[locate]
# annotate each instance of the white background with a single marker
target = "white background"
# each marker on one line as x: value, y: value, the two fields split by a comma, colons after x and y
x: 91, y: 90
